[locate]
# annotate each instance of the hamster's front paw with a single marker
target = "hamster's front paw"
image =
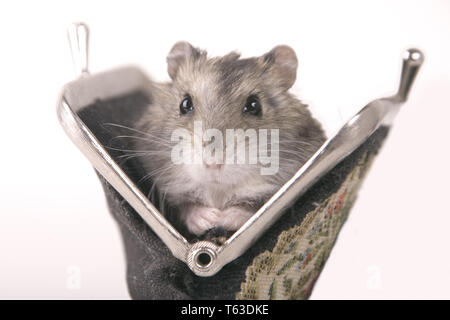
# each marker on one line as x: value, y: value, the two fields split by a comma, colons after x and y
x: 200, y: 219
x: 233, y: 218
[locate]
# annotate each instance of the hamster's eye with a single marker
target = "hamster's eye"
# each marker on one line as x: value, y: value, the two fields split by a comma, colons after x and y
x: 186, y: 105
x: 252, y: 106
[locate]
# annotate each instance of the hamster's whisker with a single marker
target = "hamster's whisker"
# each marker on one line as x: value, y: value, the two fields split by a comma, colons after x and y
x: 131, y: 155
x: 153, y: 174
x: 143, y: 153
x: 158, y: 140
x: 290, y: 152
x: 124, y: 158
x: 125, y: 127
x: 134, y: 130
x: 295, y: 143
x: 135, y: 151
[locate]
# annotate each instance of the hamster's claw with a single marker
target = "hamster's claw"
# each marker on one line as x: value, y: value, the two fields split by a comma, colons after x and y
x: 234, y: 217
x: 201, y: 219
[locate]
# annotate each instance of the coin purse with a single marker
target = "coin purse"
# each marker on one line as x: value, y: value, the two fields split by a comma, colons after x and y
x: 279, y: 252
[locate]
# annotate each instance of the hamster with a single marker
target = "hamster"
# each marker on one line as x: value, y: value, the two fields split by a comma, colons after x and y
x: 223, y: 93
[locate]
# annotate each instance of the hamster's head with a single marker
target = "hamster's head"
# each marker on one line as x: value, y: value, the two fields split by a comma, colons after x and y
x: 234, y: 110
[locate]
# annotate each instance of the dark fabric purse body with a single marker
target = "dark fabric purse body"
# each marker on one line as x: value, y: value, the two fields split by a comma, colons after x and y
x: 283, y: 264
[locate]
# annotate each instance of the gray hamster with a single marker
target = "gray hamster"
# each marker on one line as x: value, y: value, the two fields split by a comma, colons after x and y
x: 225, y: 93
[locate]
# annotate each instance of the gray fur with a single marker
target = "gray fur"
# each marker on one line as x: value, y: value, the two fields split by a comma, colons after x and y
x: 219, y: 87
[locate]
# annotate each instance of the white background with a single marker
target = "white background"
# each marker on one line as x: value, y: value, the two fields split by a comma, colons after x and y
x: 57, y: 239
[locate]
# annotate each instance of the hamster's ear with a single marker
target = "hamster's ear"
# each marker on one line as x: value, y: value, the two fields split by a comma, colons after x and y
x: 283, y: 61
x: 180, y: 53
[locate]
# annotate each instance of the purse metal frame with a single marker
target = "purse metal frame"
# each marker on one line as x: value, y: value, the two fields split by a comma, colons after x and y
x: 206, y: 258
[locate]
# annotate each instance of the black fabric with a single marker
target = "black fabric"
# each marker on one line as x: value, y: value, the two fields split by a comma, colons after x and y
x: 152, y: 271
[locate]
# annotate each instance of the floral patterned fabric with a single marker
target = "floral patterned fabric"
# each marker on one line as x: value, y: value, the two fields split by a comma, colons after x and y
x: 290, y: 269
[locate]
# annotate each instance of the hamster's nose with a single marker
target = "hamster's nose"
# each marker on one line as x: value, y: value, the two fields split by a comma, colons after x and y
x: 213, y: 165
